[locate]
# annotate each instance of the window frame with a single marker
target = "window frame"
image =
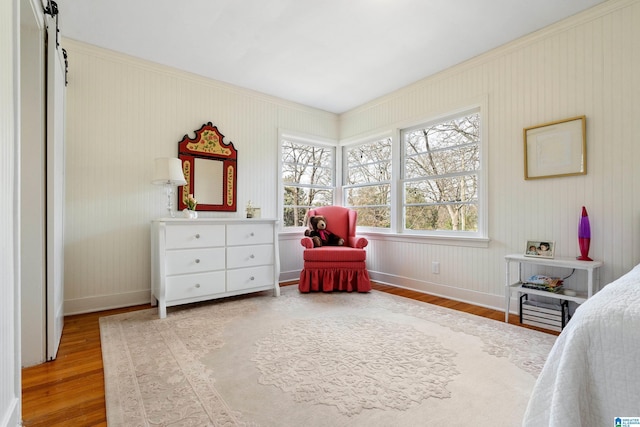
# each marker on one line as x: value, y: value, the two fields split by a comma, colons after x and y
x: 481, y: 172
x: 309, y: 140
x: 397, y: 232
x: 345, y: 174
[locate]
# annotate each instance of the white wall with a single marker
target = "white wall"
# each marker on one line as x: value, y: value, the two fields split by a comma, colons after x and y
x: 121, y: 114
x: 9, y: 218
x: 589, y: 64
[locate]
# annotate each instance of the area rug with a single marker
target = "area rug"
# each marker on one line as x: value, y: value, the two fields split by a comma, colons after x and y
x: 336, y: 359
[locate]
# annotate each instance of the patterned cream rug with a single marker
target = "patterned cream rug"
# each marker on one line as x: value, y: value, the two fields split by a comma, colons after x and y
x: 317, y: 360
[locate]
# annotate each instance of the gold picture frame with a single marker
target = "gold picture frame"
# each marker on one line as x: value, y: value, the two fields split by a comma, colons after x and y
x: 556, y: 149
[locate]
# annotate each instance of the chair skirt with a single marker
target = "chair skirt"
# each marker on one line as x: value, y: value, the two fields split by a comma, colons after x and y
x: 341, y: 276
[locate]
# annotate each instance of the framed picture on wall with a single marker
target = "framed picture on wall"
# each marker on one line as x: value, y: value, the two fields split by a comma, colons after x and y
x: 540, y: 248
x: 556, y: 149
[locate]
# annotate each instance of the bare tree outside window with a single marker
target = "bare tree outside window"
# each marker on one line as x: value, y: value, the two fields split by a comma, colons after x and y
x: 441, y: 167
x: 308, y: 176
x: 367, y: 186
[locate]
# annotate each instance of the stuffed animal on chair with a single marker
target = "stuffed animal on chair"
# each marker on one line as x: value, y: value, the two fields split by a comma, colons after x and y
x: 320, y: 235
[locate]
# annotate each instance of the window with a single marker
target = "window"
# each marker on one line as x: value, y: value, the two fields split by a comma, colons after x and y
x: 308, y: 177
x: 441, y: 175
x: 367, y: 182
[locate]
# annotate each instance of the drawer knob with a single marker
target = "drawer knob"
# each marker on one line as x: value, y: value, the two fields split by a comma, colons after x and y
x: 251, y: 234
x: 197, y: 285
x: 252, y: 256
x: 252, y: 278
x: 197, y: 261
x: 197, y: 236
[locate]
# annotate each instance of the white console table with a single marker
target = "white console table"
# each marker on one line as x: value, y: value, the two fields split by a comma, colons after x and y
x: 570, y: 263
x: 201, y: 259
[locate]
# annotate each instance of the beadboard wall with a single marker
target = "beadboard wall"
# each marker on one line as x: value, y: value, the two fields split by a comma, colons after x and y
x: 586, y: 65
x: 122, y: 113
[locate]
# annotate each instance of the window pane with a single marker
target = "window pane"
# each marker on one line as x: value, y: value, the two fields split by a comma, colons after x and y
x: 370, y: 152
x: 454, y: 189
x: 305, y: 154
x: 301, y: 196
x: 370, y: 162
x: 374, y: 216
x: 372, y: 172
x: 445, y: 135
x: 458, y: 159
x: 370, y: 195
x: 294, y: 216
x: 301, y: 174
x: 458, y: 217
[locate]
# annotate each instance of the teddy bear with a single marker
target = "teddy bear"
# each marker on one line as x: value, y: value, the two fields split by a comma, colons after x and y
x: 320, y: 235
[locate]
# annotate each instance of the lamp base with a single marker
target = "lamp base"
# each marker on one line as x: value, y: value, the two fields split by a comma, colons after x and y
x: 584, y: 243
x: 169, y: 190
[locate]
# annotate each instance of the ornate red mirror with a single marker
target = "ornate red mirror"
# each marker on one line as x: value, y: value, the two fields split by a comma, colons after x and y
x: 210, y: 169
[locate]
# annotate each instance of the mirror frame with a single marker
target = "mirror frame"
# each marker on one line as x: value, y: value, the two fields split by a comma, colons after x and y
x: 208, y: 145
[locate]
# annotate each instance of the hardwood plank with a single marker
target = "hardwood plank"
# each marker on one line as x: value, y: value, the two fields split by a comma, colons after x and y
x: 69, y: 391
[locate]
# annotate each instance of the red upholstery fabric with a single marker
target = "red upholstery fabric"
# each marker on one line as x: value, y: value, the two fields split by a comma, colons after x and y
x: 336, y: 268
x: 347, y: 279
x: 335, y: 254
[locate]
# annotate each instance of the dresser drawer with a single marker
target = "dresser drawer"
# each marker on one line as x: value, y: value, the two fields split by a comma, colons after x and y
x: 181, y: 261
x: 248, y: 256
x: 195, y: 285
x: 249, y: 234
x: 247, y: 278
x: 195, y: 236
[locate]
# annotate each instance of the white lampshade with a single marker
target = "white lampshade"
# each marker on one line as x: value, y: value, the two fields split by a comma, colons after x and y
x: 168, y: 172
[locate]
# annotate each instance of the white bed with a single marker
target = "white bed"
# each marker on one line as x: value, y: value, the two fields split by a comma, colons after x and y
x: 592, y: 374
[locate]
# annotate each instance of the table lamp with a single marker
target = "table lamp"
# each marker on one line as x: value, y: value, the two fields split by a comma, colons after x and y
x: 168, y: 172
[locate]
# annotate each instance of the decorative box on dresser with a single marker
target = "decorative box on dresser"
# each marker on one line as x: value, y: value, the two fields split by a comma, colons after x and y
x: 201, y: 259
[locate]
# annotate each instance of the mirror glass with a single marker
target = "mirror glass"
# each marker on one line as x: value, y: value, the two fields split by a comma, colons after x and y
x: 210, y: 169
x: 207, y: 181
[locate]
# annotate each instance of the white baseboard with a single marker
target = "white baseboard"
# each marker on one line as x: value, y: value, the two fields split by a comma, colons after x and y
x: 11, y: 417
x: 287, y: 276
x: 106, y: 302
x: 480, y: 299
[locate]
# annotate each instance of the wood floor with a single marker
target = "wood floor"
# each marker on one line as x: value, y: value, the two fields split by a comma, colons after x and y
x: 69, y: 391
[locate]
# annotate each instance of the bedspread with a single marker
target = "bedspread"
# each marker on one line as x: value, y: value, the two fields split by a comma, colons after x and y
x: 592, y: 374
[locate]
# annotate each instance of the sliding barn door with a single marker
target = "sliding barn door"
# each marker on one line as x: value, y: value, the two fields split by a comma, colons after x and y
x: 55, y: 190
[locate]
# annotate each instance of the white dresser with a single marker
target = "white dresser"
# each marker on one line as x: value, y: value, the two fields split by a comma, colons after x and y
x: 200, y: 259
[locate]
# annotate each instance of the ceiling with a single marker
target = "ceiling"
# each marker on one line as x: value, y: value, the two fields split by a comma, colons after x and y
x: 329, y: 54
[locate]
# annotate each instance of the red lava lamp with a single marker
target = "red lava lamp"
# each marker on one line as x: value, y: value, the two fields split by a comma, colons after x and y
x: 584, y: 236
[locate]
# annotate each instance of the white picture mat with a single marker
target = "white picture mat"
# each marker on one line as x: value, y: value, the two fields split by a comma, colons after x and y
x: 556, y: 149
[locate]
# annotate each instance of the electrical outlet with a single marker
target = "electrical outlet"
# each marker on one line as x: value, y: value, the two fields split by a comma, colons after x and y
x: 435, y: 267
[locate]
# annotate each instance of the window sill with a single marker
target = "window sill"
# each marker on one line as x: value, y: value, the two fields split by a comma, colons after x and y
x: 473, y: 242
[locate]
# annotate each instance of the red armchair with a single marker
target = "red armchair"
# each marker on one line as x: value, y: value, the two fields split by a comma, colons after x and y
x: 336, y: 268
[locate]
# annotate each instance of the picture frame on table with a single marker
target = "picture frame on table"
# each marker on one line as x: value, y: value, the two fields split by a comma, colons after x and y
x: 556, y: 149
x: 540, y: 249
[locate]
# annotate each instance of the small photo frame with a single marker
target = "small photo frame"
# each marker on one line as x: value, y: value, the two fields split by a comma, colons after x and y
x: 556, y: 149
x: 540, y: 248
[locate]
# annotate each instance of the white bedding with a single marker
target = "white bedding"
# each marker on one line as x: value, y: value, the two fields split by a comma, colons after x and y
x: 592, y: 374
